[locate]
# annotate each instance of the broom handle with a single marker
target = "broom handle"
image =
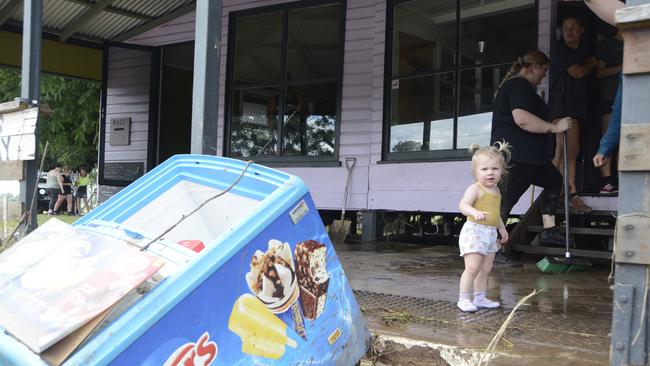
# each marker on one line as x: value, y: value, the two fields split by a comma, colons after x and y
x: 566, y: 194
x: 348, y: 168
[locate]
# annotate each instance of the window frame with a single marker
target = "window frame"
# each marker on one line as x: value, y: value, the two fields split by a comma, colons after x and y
x: 457, y: 69
x: 282, y: 84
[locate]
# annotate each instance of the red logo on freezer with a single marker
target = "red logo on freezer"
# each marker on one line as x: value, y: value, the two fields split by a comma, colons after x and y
x: 201, y: 353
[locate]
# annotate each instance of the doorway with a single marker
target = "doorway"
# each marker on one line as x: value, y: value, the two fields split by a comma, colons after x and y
x: 175, y: 122
x: 593, y: 40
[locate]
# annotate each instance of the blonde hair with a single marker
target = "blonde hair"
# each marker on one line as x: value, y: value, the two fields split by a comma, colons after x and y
x: 499, y: 151
x: 531, y: 58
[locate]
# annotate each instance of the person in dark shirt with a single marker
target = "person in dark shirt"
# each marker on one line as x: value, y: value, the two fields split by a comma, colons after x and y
x: 610, y: 60
x: 606, y: 9
x: 570, y: 68
x: 519, y: 118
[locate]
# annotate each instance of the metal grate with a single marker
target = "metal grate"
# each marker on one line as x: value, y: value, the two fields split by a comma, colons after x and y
x: 579, y: 332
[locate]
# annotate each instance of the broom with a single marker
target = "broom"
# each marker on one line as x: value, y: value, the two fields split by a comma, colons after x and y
x: 566, y: 264
x: 339, y: 228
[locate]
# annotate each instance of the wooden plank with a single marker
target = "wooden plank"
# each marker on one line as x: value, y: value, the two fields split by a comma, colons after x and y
x: 18, y: 123
x: 17, y: 147
x: 17, y: 135
x: 559, y: 251
x: 634, y: 23
x: 579, y: 230
x: 633, y: 239
x: 12, y: 106
x: 633, y: 15
x: 634, y: 150
x: 11, y: 170
x: 636, y: 53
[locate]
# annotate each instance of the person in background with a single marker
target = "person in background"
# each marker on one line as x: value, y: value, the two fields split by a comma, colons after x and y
x: 606, y: 10
x: 66, y: 191
x: 478, y: 238
x: 82, y: 190
x: 570, y: 68
x: 54, y: 186
x: 519, y: 119
x: 610, y: 60
x: 610, y: 140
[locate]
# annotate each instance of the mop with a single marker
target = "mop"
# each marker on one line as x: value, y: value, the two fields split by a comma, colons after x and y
x: 566, y: 264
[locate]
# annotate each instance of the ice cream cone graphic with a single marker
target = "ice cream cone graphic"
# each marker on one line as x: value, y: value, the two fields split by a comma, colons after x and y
x: 272, y: 279
x: 262, y: 333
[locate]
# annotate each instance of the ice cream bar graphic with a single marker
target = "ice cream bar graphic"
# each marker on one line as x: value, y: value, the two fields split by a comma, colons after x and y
x: 261, y: 332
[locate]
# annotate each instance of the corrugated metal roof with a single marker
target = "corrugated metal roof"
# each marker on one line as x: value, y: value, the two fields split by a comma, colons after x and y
x: 58, y: 13
x: 120, y: 16
x: 148, y: 7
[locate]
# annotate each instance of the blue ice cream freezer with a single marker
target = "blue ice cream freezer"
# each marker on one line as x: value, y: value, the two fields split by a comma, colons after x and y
x: 251, y: 277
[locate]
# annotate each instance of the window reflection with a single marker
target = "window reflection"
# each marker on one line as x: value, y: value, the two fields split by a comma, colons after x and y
x: 313, y: 43
x: 420, y: 110
x: 424, y: 38
x: 309, y: 120
x: 492, y: 32
x: 291, y: 112
x: 478, y: 86
x: 254, y: 122
x: 430, y: 135
x: 441, y: 95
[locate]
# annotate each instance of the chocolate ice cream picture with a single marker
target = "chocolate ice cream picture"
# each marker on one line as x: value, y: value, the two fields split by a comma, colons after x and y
x: 313, y: 279
x: 271, y: 277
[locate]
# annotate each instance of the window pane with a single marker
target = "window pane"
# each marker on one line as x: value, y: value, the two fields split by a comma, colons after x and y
x: 313, y: 43
x: 424, y: 36
x: 476, y: 100
x: 422, y: 111
x: 258, y: 41
x: 309, y: 120
x: 492, y: 32
x: 254, y: 122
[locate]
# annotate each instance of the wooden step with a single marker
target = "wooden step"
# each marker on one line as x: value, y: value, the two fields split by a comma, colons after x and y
x: 578, y: 230
x: 559, y: 251
x: 594, y: 213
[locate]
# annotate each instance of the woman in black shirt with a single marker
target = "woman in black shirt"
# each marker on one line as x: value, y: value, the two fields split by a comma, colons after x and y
x: 519, y: 118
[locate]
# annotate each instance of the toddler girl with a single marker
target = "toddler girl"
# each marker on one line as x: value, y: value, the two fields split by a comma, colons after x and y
x: 478, y: 237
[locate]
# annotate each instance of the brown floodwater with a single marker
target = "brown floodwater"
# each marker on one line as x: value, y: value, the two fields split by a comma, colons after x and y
x: 565, y: 324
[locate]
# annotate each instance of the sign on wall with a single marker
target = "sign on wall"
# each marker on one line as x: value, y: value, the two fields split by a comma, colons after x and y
x: 17, y: 135
x: 120, y: 129
x: 123, y: 171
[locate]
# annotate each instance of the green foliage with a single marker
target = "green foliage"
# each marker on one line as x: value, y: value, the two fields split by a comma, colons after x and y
x: 255, y: 139
x: 9, y: 84
x: 73, y: 126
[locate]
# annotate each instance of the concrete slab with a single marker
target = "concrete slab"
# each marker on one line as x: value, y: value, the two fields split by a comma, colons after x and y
x: 408, y: 295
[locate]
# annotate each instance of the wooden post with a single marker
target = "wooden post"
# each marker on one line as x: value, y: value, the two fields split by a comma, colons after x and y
x: 632, y: 246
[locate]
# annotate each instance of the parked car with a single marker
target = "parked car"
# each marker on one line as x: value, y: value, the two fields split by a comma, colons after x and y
x: 43, y: 197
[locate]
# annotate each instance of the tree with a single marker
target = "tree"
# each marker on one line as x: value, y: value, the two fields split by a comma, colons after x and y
x: 73, y: 126
x: 9, y: 84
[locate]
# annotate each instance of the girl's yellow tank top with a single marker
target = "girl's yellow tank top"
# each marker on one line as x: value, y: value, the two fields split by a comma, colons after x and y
x: 83, y: 181
x: 490, y: 203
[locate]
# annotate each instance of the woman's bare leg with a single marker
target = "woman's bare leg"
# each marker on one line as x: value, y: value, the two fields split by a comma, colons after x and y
x: 573, y: 149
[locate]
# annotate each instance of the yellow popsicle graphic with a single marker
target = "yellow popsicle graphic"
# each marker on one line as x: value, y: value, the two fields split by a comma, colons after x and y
x: 261, y: 332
